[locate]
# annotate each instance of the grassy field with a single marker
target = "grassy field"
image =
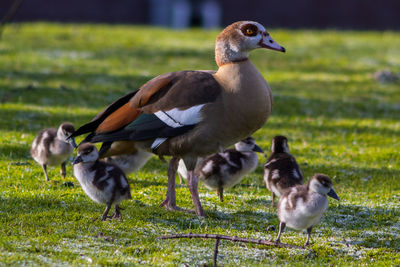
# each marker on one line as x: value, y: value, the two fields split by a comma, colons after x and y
x: 338, y: 118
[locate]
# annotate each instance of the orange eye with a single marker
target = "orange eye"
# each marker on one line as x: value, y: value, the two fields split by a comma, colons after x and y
x: 249, y: 31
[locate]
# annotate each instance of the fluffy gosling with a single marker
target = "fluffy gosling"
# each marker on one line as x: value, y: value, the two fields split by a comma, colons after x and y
x: 281, y: 170
x: 226, y: 169
x: 301, y: 207
x: 50, y: 147
x: 103, y: 182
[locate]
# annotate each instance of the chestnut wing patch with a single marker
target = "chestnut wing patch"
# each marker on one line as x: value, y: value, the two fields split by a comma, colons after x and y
x: 103, y: 115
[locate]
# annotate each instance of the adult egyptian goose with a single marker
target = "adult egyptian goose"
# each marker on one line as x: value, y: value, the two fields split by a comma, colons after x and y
x: 50, y: 147
x: 227, y: 168
x: 281, y: 170
x: 301, y: 207
x: 190, y: 114
x: 103, y: 182
x: 132, y: 162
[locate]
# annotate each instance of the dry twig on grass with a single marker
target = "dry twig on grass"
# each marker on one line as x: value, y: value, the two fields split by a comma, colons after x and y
x: 233, y: 239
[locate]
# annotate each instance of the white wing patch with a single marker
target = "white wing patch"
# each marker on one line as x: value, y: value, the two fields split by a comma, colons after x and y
x: 158, y: 142
x: 178, y: 118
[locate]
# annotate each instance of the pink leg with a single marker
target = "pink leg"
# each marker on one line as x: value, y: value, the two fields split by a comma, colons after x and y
x: 170, y: 199
x: 193, y: 183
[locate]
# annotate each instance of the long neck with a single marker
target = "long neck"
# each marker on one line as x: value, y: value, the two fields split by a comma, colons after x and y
x: 234, y: 76
x: 226, y: 53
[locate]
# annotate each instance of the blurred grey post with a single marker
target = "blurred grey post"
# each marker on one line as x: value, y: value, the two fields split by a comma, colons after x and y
x: 210, y: 14
x: 160, y: 12
x: 181, y: 14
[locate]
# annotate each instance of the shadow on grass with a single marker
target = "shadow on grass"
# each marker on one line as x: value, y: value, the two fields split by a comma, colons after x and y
x: 63, y: 96
x: 33, y: 121
x: 146, y: 183
x: 152, y: 54
x: 66, y: 78
x: 335, y: 109
x: 310, y: 126
x: 15, y: 152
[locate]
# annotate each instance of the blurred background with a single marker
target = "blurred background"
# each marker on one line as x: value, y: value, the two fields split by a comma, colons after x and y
x: 340, y: 14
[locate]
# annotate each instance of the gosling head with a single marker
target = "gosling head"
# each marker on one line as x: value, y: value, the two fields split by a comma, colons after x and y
x: 322, y: 184
x: 86, y: 153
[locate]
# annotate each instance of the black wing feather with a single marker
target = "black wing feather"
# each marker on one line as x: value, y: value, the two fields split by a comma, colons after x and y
x: 150, y: 131
x: 96, y: 121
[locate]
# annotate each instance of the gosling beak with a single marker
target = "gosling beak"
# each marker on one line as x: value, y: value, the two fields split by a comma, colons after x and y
x: 258, y: 149
x: 333, y: 194
x: 269, y: 43
x: 77, y: 160
x: 71, y: 141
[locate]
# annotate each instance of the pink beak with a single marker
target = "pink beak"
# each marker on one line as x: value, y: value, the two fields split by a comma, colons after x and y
x: 269, y: 43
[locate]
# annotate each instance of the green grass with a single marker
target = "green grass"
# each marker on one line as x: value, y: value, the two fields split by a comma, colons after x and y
x: 338, y: 118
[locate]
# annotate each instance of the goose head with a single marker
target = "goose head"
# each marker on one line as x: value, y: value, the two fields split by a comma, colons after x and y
x: 236, y: 41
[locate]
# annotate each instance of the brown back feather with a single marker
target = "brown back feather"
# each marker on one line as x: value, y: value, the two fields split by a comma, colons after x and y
x: 182, y: 90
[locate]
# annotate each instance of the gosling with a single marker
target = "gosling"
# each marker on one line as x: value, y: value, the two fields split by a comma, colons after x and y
x: 103, y: 182
x: 226, y: 169
x: 301, y: 207
x: 281, y: 170
x: 50, y: 147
